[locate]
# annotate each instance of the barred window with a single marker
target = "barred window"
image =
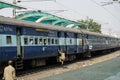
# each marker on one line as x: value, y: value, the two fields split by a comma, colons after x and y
x: 48, y: 41
x: 45, y: 41
x: 70, y: 41
x: 40, y: 41
x: 31, y: 41
x: 52, y: 41
x: 36, y: 40
x: 56, y: 41
x: 26, y: 41
x: 8, y: 40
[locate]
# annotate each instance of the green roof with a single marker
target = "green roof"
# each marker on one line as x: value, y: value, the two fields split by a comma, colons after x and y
x: 46, y: 18
x: 4, y: 4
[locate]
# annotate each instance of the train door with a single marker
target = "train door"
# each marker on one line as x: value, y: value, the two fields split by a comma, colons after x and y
x: 86, y: 47
x: 75, y: 43
x: 19, y: 60
x: 84, y: 44
x: 62, y: 41
x: 18, y: 30
x: 65, y: 42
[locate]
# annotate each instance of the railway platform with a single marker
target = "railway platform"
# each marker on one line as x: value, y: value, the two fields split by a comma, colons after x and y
x: 107, y: 70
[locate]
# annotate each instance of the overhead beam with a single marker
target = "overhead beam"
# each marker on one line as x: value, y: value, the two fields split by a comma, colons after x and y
x: 4, y: 4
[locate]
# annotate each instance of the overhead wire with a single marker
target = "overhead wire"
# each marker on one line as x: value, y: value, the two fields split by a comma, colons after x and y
x: 33, y: 0
x: 48, y: 11
x: 69, y: 9
x: 107, y: 10
x: 62, y: 5
x: 76, y: 12
x: 33, y: 9
x: 116, y: 7
x: 115, y: 17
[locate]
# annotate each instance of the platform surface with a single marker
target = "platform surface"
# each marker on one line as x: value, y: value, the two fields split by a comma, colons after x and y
x: 108, y: 70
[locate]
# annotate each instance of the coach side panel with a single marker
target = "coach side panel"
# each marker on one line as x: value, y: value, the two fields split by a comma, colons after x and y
x: 7, y: 42
x: 39, y: 43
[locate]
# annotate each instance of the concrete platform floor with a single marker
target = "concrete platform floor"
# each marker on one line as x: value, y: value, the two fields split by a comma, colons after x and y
x: 108, y: 70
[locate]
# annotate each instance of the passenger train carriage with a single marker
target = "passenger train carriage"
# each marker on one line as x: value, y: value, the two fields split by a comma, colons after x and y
x: 32, y: 43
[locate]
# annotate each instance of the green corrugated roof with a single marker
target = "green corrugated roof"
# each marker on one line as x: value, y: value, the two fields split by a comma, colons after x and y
x: 46, y: 18
x: 4, y: 4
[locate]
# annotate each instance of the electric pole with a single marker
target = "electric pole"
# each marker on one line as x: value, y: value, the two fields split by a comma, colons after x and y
x: 14, y: 10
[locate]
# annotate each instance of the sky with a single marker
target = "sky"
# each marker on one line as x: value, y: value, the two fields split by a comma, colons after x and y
x: 106, y: 15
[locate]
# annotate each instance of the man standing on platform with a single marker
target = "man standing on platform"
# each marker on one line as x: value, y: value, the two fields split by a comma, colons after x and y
x: 9, y: 72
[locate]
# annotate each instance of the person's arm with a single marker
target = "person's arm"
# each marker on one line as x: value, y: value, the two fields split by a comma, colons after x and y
x: 14, y: 75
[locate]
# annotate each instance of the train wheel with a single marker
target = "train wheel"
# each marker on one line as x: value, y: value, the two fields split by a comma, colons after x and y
x: 87, y: 54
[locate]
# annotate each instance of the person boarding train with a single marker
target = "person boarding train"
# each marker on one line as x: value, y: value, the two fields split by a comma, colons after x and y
x: 61, y: 57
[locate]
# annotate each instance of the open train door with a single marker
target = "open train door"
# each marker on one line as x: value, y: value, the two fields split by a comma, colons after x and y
x: 19, y: 60
x: 86, y: 46
x: 62, y: 41
x: 18, y: 42
x: 75, y: 43
x: 65, y: 42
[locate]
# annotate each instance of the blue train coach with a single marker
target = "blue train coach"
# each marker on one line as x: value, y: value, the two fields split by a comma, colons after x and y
x: 32, y: 44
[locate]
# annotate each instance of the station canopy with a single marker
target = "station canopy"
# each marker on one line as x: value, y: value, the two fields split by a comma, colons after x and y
x: 47, y: 18
x: 4, y: 4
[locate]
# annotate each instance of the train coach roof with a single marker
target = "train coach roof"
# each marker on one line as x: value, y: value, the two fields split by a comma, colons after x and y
x: 22, y: 23
x: 96, y: 34
x: 93, y: 33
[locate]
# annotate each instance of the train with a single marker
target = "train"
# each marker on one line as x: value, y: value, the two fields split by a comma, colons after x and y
x: 33, y: 44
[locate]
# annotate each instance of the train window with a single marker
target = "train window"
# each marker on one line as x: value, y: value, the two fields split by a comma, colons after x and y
x: 26, y: 41
x: 80, y: 41
x: 45, y: 41
x: 48, y: 41
x: 56, y: 41
x: 9, y: 40
x: 89, y: 41
x: 40, y: 41
x: 86, y: 41
x: 31, y: 41
x: 52, y: 41
x: 36, y: 40
x: 70, y: 41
